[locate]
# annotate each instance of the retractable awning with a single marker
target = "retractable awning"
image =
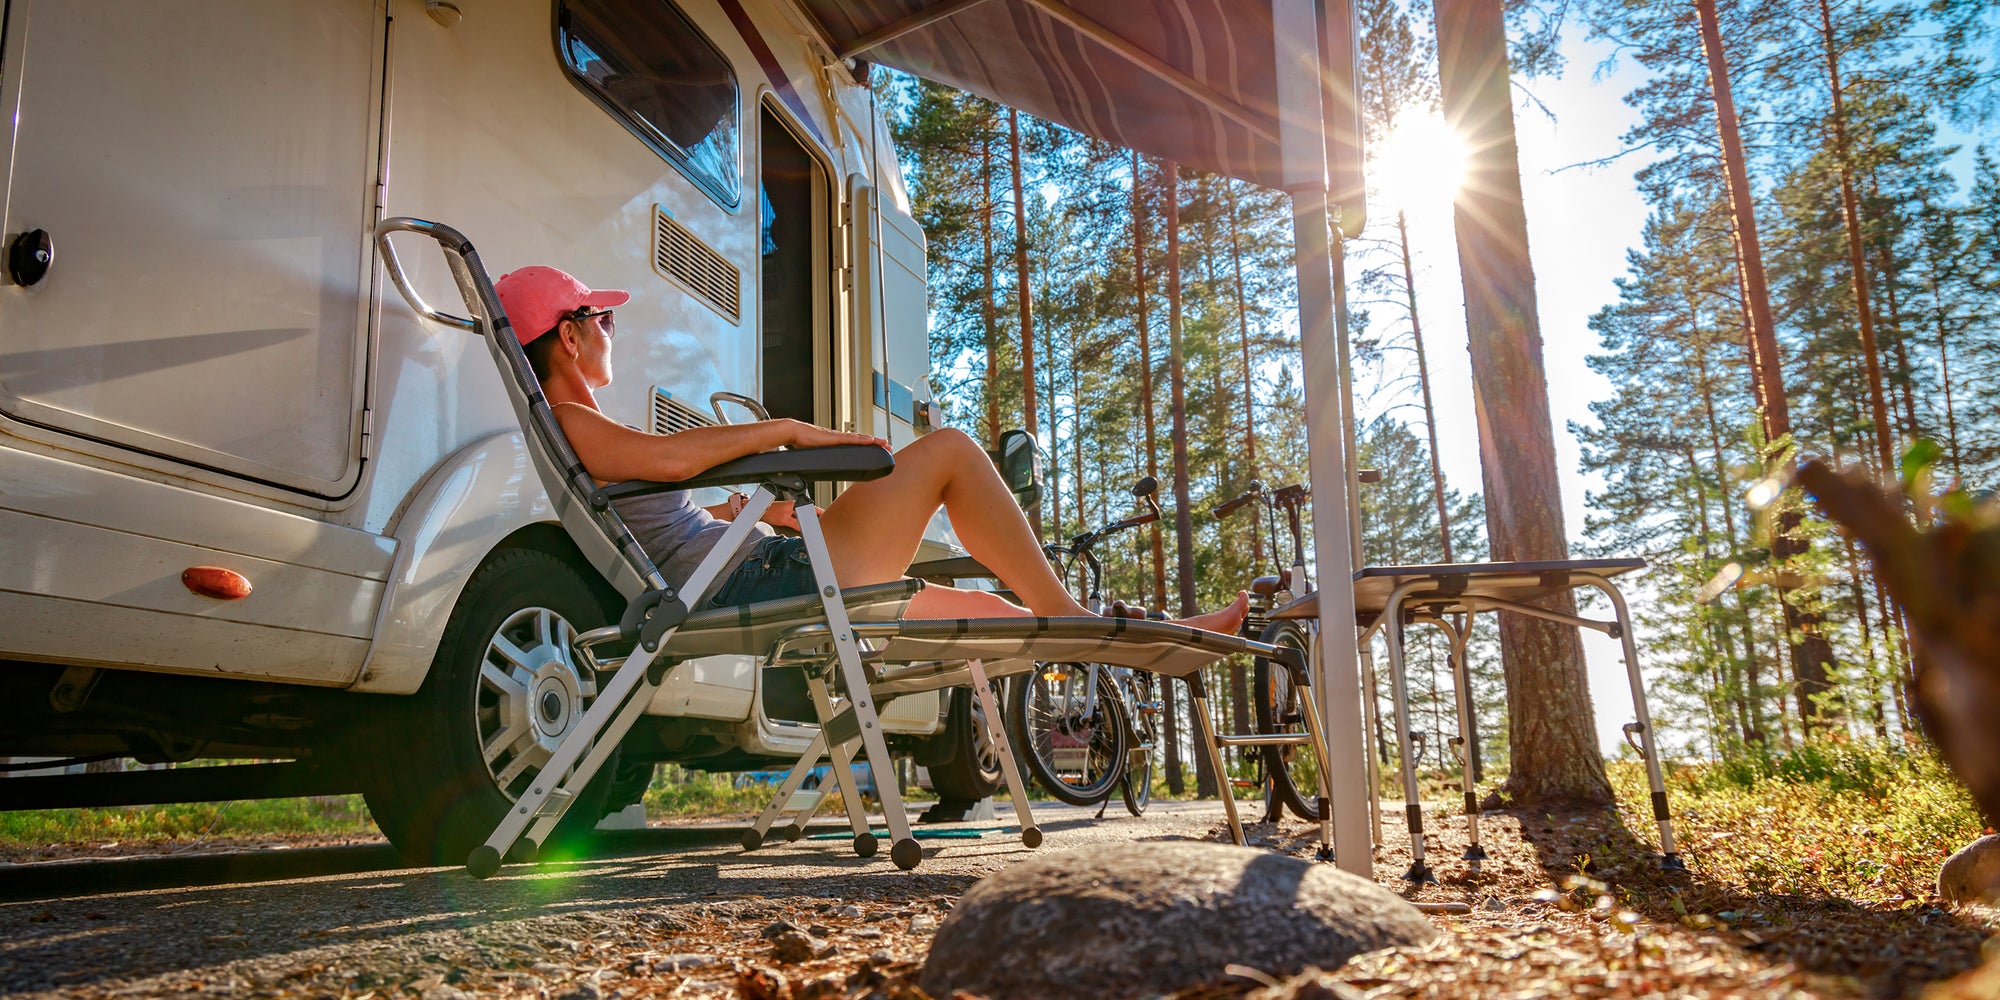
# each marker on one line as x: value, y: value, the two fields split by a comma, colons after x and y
x: 1186, y: 80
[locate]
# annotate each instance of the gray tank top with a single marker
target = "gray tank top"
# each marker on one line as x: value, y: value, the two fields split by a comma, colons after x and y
x: 677, y: 534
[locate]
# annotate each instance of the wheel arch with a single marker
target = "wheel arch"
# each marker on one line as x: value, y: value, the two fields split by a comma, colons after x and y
x: 483, y: 500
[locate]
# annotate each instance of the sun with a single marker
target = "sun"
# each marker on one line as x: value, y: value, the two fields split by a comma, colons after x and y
x: 1421, y: 164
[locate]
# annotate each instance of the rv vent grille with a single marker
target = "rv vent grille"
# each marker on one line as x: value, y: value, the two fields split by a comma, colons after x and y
x: 670, y: 415
x: 679, y: 255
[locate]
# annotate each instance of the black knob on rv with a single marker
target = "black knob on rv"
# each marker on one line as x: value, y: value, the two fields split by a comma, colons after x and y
x: 29, y: 258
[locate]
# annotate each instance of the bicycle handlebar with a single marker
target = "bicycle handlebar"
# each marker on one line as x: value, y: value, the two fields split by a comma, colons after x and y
x: 1228, y: 507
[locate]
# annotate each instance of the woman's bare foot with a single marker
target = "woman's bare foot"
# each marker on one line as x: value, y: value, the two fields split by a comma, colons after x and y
x: 1226, y: 620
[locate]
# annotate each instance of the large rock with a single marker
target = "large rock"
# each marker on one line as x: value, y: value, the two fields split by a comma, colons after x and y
x: 1146, y: 919
x: 1973, y: 874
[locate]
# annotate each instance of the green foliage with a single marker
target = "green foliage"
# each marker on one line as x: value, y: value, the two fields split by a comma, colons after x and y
x: 1867, y: 820
x: 332, y: 815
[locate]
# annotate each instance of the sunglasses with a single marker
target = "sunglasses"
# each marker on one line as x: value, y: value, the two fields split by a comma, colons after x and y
x: 610, y: 324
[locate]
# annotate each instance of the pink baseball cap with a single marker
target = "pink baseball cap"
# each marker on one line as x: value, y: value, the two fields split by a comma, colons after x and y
x: 536, y: 299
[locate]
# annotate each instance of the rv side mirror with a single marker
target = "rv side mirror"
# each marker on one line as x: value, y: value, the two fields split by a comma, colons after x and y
x: 1020, y: 464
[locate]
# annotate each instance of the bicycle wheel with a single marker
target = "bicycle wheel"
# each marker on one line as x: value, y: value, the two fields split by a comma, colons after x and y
x: 1074, y: 749
x: 1293, y: 770
x: 1137, y: 786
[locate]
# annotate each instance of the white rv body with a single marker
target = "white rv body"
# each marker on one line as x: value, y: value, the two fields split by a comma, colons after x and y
x: 214, y: 371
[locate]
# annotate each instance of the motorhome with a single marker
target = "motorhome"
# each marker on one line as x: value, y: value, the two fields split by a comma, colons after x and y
x: 252, y: 506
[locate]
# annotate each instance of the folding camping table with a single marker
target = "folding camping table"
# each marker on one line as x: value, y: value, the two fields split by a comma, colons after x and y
x: 1390, y: 598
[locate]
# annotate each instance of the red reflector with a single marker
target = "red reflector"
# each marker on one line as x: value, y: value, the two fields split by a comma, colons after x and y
x: 216, y: 582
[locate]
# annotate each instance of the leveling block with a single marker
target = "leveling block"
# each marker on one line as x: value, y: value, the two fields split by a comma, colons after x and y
x: 921, y: 834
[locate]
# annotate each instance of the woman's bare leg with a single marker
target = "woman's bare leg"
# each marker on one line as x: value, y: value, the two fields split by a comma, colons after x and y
x: 874, y: 528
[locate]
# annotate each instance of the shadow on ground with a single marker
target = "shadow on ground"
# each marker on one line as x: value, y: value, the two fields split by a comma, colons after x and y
x: 1885, y: 951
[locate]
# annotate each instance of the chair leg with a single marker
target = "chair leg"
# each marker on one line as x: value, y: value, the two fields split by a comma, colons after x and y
x: 1198, y: 696
x: 753, y: 838
x: 1413, y: 808
x: 1670, y: 858
x: 1370, y: 724
x: 996, y: 731
x: 524, y: 828
x: 842, y: 756
x: 1309, y: 709
x: 903, y: 848
x: 1462, y: 680
x: 619, y: 704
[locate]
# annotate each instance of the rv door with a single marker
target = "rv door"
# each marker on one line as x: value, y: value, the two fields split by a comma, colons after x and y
x: 891, y: 307
x: 205, y: 173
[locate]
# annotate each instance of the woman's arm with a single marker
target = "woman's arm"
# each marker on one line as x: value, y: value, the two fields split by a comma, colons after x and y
x: 612, y: 452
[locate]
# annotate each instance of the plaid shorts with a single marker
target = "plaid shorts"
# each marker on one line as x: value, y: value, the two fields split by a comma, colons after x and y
x: 776, y: 567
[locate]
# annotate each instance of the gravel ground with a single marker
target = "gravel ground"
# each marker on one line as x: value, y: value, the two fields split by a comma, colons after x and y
x: 687, y: 913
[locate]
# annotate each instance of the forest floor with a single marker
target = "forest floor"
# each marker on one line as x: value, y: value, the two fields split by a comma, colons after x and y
x: 1809, y: 875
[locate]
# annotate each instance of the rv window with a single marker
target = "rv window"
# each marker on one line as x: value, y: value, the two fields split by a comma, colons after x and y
x: 644, y: 62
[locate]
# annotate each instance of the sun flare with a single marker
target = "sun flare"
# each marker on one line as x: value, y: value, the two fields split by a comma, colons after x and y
x: 1421, y: 163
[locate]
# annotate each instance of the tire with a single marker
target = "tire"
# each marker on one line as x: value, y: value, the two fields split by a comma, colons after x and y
x: 1293, y: 771
x: 1137, y: 785
x: 432, y: 789
x: 972, y: 771
x: 1047, y: 716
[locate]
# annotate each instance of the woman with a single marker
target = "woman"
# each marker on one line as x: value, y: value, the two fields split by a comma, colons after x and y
x: 872, y: 530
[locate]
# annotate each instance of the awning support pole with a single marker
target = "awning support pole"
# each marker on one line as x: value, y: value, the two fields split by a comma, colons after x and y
x: 1302, y: 142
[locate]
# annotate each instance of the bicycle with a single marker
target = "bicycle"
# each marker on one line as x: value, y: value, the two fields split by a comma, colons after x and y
x: 1288, y: 773
x: 1085, y: 728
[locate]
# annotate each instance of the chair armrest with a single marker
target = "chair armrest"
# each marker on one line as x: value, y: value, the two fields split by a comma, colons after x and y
x: 947, y: 570
x: 850, y: 463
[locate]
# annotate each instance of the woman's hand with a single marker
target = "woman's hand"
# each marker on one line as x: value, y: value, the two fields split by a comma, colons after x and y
x: 782, y: 514
x: 805, y: 435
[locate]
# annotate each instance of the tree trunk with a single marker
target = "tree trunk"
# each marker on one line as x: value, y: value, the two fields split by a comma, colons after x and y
x: 989, y: 312
x: 1249, y: 381
x: 1812, y: 654
x: 1551, y: 726
x: 1750, y: 709
x: 1204, y: 775
x: 1024, y: 292
x: 1169, y: 715
x: 1850, y: 214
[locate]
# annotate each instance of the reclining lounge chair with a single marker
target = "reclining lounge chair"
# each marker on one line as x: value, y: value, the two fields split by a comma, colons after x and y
x: 855, y: 650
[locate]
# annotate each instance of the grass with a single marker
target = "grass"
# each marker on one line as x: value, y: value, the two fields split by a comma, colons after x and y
x: 330, y: 816
x: 1866, y: 821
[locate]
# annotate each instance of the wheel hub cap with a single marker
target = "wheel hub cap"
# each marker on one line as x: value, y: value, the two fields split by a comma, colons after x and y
x: 531, y: 694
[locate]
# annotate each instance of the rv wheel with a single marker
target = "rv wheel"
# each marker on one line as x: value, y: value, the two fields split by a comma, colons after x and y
x: 502, y: 692
x: 972, y: 770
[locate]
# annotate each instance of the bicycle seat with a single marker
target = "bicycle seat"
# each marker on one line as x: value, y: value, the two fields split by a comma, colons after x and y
x: 1265, y: 586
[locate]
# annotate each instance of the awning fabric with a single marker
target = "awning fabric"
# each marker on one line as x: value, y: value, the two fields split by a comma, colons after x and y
x: 1184, y: 80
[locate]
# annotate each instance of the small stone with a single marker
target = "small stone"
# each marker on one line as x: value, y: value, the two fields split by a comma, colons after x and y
x: 833, y: 984
x: 778, y: 928
x: 923, y: 923
x: 1493, y: 904
x: 794, y: 946
x: 581, y: 991
x: 683, y: 962
x: 1154, y: 918
x: 881, y: 957
x: 869, y: 933
x: 442, y: 992
x: 760, y: 983
x: 1973, y: 874
x: 850, y: 912
x: 820, y: 930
